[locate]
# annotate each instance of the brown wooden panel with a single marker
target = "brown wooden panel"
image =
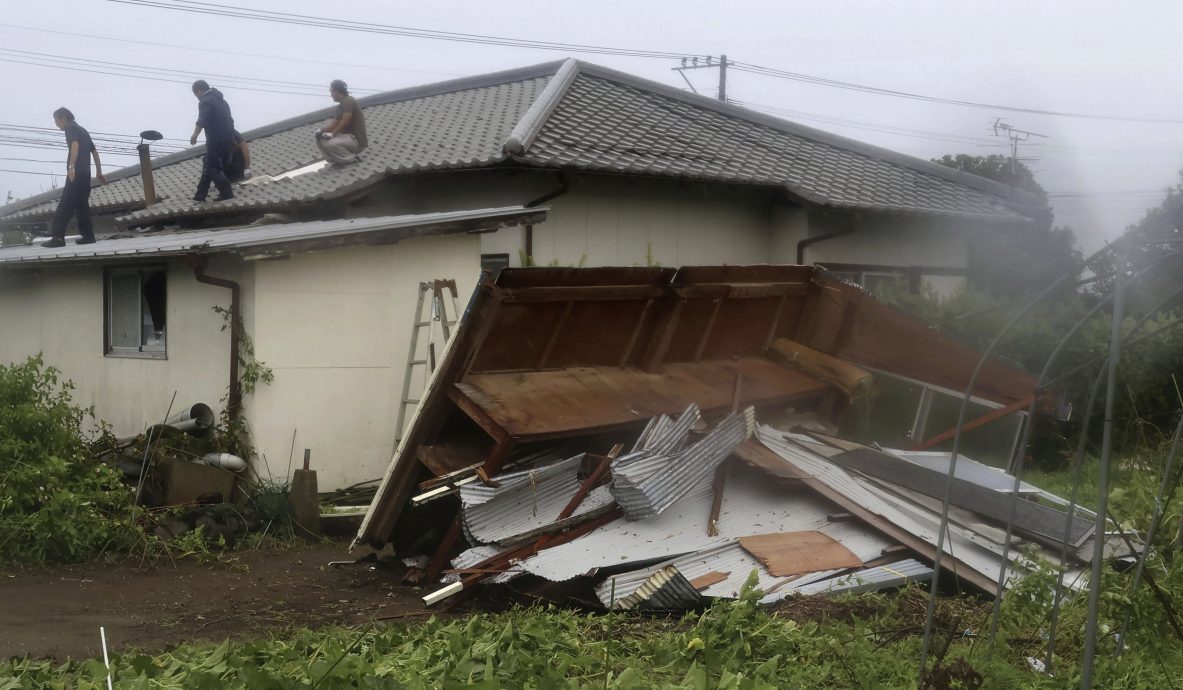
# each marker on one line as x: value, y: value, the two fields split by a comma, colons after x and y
x: 596, y: 334
x: 797, y: 553
x: 880, y: 336
x: 741, y: 328
x: 582, y: 400
x: 692, y: 324
x: 518, y: 336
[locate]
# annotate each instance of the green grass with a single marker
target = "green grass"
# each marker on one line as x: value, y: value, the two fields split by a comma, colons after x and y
x: 731, y: 645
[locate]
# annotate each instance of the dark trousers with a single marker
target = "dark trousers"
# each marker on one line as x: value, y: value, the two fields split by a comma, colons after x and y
x: 213, y: 170
x: 75, y: 200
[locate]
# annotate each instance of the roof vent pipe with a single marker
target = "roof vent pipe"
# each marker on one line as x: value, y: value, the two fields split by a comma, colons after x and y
x: 146, y: 164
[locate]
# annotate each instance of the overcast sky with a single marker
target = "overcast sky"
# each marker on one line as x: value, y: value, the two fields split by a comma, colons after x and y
x: 1082, y: 56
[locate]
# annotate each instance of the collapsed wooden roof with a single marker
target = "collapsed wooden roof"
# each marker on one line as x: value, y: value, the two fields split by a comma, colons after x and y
x: 546, y: 353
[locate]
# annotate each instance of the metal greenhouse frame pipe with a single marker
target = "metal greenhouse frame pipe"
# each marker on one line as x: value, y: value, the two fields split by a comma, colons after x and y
x: 1090, y: 640
x: 945, y: 501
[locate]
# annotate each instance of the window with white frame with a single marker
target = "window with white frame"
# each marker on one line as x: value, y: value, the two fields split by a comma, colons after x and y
x: 136, y: 301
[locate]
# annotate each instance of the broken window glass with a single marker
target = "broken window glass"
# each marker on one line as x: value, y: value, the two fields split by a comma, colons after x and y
x: 136, y: 311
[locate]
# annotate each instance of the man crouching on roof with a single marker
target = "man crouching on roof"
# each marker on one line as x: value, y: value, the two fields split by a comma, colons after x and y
x: 343, y: 137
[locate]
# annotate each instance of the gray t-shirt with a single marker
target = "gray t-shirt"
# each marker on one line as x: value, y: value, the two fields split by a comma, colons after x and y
x: 357, y: 124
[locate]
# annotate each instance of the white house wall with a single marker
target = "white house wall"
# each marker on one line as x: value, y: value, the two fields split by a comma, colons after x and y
x: 334, y: 327
x: 59, y: 312
x: 619, y: 221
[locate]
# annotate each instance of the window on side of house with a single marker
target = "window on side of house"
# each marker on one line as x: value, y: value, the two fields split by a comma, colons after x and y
x: 136, y: 300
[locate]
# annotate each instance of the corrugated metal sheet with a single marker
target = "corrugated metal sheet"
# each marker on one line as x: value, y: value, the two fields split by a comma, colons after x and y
x: 245, y: 239
x: 526, y: 502
x: 665, y: 590
x: 737, y: 564
x: 871, y: 579
x: 646, y: 487
x: 975, y: 551
x: 751, y: 505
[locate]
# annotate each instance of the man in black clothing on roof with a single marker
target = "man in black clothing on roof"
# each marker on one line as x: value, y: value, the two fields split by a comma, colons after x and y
x: 76, y: 193
x: 213, y: 115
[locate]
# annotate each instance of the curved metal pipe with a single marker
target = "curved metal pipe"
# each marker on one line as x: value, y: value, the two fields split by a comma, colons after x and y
x: 945, y: 502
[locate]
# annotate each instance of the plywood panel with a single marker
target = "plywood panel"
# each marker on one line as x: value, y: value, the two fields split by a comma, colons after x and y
x: 796, y: 553
x: 545, y: 403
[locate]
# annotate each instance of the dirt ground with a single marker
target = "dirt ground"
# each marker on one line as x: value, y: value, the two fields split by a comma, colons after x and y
x: 56, y: 613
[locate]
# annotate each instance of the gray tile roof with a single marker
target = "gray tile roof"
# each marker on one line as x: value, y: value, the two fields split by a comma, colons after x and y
x: 601, y: 124
x: 271, y: 239
x: 562, y: 114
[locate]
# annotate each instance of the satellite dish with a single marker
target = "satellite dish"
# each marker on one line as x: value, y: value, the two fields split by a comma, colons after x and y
x: 151, y: 135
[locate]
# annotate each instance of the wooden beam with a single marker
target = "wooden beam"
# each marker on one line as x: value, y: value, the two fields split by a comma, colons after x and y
x: 476, y: 413
x: 780, y: 310
x: 975, y: 423
x: 706, y: 332
x: 717, y: 486
x: 632, y: 339
x: 436, y: 564
x: 556, y: 331
x: 664, y: 336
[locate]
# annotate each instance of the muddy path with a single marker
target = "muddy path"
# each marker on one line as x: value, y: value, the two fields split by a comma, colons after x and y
x: 55, y: 613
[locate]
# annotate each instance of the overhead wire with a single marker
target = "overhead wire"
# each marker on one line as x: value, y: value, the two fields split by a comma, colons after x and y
x: 158, y: 74
x: 895, y: 93
x: 291, y: 18
x: 224, y: 51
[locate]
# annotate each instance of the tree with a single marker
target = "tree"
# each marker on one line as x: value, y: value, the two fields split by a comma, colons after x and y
x: 1011, y: 262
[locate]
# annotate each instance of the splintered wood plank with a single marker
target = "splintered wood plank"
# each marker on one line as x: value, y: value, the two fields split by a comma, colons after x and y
x: 712, y: 578
x: 544, y: 404
x: 797, y: 553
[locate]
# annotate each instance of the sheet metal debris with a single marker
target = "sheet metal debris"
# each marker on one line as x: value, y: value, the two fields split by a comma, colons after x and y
x: 690, y: 368
x: 649, y: 481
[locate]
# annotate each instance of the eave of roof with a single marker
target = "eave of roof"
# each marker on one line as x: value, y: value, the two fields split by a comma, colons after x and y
x: 257, y: 241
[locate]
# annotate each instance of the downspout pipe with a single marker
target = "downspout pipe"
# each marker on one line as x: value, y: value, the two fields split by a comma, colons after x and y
x: 234, y: 404
x: 803, y: 244
x: 564, y: 187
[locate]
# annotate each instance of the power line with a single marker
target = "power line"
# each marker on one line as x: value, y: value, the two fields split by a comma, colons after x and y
x: 233, y: 11
x: 871, y: 126
x: 158, y: 73
x: 221, y: 51
x: 387, y: 29
x: 864, y: 88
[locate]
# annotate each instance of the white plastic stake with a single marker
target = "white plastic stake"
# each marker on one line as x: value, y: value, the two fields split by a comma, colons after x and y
x: 106, y: 661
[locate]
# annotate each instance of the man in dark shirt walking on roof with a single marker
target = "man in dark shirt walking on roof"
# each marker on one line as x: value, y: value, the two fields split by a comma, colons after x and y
x: 76, y: 194
x: 213, y: 115
x: 344, y: 136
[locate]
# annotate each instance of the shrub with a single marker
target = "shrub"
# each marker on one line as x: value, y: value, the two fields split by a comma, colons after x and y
x: 57, y: 504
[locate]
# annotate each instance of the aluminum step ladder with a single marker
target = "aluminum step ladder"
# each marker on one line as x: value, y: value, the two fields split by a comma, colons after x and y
x: 437, y: 318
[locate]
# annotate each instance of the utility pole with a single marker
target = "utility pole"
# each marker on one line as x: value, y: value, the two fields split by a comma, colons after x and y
x: 709, y: 63
x: 1016, y: 137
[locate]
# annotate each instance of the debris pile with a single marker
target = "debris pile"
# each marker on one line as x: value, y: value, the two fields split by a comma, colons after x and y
x: 181, y: 465
x: 736, y: 391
